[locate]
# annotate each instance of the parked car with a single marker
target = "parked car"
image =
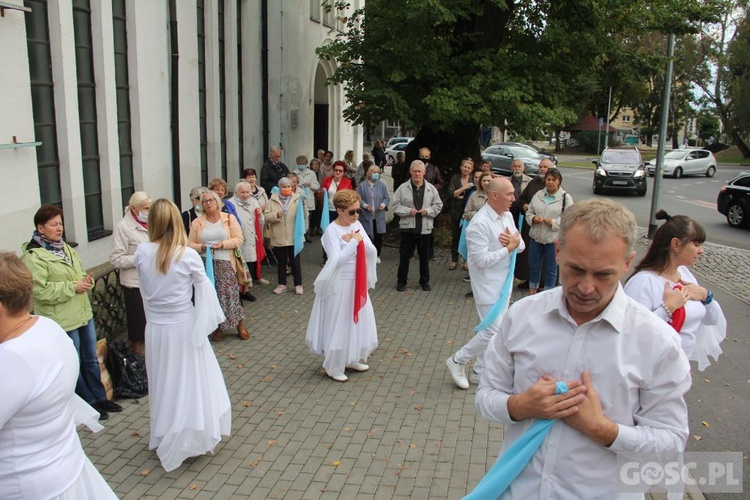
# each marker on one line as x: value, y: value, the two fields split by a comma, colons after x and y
x: 734, y: 200
x: 679, y: 162
x: 620, y: 169
x: 501, y: 155
x: 397, y: 140
x: 531, y: 146
x: 390, y: 152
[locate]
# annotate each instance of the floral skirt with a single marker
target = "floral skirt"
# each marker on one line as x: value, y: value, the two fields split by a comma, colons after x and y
x: 228, y: 291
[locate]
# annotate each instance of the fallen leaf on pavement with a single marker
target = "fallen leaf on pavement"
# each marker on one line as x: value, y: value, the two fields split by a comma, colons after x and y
x: 706, y: 424
x: 336, y: 462
x: 193, y: 487
x: 145, y: 472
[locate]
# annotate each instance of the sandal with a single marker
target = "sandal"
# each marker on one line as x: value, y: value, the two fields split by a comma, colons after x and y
x: 453, y: 266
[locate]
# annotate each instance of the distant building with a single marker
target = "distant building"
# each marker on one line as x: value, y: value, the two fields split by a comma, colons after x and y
x: 93, y: 81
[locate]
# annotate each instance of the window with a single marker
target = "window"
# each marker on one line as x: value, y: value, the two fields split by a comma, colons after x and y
x: 122, y: 87
x: 329, y: 15
x: 625, y: 118
x: 315, y: 10
x: 43, y: 102
x: 240, y: 128
x: 92, y: 187
x: 202, y: 91
x: 222, y: 93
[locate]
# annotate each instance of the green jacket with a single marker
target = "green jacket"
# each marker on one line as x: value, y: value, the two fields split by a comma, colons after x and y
x: 55, y: 286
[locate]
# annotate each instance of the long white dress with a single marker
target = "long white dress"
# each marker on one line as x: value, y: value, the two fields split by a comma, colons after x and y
x: 189, y: 403
x: 40, y: 453
x: 331, y: 330
x: 705, y: 326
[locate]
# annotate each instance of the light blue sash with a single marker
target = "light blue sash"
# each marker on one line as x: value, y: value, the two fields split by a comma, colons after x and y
x: 325, y: 217
x: 463, y: 249
x: 499, y: 306
x: 299, y: 227
x: 210, y: 264
x: 511, y: 463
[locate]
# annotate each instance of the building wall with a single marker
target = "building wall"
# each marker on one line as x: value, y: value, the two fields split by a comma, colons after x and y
x: 292, y: 38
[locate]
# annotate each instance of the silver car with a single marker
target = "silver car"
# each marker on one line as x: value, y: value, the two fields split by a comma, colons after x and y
x: 679, y: 162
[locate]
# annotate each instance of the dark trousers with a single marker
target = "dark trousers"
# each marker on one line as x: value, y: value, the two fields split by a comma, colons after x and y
x: 314, y: 221
x: 410, y: 241
x: 522, y: 259
x: 284, y: 254
x: 377, y: 238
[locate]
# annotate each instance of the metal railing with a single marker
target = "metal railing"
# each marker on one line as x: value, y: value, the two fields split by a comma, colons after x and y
x: 108, y: 303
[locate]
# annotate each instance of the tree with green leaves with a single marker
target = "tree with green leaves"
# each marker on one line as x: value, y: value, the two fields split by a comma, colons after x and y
x: 738, y: 87
x: 444, y: 67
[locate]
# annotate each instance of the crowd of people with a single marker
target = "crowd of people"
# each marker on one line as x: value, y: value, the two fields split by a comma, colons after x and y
x: 185, y: 276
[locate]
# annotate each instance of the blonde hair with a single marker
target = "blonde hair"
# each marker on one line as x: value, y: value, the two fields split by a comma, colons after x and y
x: 215, y: 195
x: 218, y: 182
x: 165, y: 228
x: 602, y: 219
x: 345, y: 198
x: 16, y: 284
x: 137, y: 199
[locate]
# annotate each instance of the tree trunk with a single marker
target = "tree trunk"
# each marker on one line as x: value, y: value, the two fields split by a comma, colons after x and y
x: 741, y: 144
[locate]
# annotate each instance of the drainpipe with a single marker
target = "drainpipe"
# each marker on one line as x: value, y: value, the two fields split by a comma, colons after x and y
x: 264, y: 73
x: 175, y: 103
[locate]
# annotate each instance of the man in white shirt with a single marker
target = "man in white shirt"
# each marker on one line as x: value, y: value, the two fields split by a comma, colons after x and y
x: 623, y: 365
x: 490, y: 238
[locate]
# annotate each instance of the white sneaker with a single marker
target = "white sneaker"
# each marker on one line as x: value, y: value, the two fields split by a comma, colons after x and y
x: 358, y: 367
x: 339, y: 377
x: 474, y: 377
x: 298, y: 290
x: 263, y: 281
x: 378, y: 260
x: 279, y: 289
x: 457, y: 372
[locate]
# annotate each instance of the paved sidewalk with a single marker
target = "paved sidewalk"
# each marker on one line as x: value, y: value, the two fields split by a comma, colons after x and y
x: 401, y: 430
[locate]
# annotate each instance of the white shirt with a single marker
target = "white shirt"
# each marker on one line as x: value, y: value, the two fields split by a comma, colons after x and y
x: 636, y: 365
x: 489, y: 260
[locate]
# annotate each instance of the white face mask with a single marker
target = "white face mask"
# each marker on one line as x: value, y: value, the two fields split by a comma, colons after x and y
x: 143, y: 216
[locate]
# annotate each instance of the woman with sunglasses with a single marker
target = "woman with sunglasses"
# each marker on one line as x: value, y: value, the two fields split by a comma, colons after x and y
x: 333, y: 184
x: 342, y: 323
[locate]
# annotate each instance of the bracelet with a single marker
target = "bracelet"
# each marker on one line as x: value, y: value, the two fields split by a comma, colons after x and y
x: 709, y: 298
x: 669, y: 313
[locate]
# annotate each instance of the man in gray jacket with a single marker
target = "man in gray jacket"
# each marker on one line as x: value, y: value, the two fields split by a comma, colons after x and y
x: 417, y: 203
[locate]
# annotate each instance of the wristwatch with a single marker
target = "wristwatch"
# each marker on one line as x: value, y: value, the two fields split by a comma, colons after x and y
x: 709, y: 298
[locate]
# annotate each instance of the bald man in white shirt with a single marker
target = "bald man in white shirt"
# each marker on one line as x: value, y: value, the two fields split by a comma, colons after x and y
x: 490, y: 239
x: 624, y: 367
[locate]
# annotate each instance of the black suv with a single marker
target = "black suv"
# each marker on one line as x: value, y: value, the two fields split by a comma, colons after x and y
x: 734, y: 200
x: 620, y: 169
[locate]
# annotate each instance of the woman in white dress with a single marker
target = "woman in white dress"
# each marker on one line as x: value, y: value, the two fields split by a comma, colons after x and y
x: 342, y: 323
x: 40, y: 453
x: 189, y: 403
x: 663, y: 283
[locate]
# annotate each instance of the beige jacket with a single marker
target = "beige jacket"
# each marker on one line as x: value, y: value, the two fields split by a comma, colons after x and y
x: 126, y: 237
x: 281, y: 229
x: 229, y: 223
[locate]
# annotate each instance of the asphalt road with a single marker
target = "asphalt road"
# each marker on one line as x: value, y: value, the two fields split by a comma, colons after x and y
x: 693, y: 196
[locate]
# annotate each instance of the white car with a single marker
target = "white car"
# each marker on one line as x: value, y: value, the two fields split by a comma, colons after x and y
x: 679, y: 162
x: 390, y: 153
x: 395, y: 140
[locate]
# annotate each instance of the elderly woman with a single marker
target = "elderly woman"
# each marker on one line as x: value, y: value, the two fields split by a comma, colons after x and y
x: 251, y: 220
x: 351, y: 166
x: 664, y: 284
x: 374, y: 195
x: 188, y: 216
x: 332, y: 184
x: 281, y: 216
x: 61, y: 287
x: 40, y: 453
x: 543, y: 215
x: 342, y: 322
x: 458, y: 186
x: 308, y: 182
x: 222, y: 233
x: 220, y: 187
x: 188, y: 401
x: 130, y: 232
x: 257, y: 192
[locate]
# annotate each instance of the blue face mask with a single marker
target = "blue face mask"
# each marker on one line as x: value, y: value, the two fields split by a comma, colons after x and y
x: 375, y: 177
x: 301, y: 167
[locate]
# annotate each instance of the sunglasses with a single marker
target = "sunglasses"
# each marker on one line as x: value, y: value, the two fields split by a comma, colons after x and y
x: 339, y: 171
x: 357, y: 211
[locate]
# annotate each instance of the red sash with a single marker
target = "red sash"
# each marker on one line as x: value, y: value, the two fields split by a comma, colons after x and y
x: 678, y: 315
x: 260, y: 252
x: 360, y: 281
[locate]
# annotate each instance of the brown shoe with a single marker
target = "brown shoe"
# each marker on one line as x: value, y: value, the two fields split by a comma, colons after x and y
x: 217, y: 335
x: 242, y: 332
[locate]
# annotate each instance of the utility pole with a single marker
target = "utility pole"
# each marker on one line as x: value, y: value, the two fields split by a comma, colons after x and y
x: 662, y: 138
x: 606, y: 120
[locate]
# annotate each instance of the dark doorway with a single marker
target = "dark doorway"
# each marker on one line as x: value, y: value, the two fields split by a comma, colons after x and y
x: 320, y: 127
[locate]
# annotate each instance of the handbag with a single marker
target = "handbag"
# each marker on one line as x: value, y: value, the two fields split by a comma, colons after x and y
x: 243, y: 276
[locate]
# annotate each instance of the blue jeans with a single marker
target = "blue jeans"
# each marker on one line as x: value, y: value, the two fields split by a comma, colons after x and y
x: 89, y: 385
x: 539, y: 252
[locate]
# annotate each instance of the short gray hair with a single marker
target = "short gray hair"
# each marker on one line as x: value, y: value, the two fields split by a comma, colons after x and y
x: 196, y: 193
x: 286, y: 181
x: 242, y: 182
x: 416, y: 163
x: 602, y: 219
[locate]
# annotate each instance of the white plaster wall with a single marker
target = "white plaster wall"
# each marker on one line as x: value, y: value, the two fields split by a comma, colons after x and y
x: 18, y: 171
